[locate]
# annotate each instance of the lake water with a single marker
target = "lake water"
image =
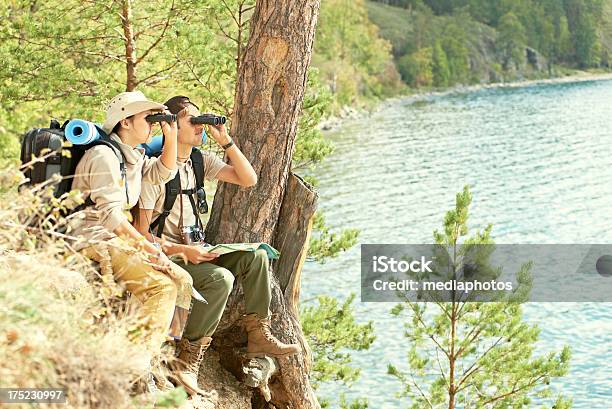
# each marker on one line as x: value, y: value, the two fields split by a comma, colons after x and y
x: 538, y: 161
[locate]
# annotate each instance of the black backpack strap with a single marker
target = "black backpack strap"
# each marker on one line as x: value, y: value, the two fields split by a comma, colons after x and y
x: 56, y: 125
x: 197, y: 161
x: 173, y: 188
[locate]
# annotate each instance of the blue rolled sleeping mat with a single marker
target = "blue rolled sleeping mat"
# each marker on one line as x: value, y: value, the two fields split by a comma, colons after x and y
x: 81, y: 132
x: 154, y: 145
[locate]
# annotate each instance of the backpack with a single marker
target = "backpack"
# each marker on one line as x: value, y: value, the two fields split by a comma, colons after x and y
x: 50, y: 144
x: 173, y: 188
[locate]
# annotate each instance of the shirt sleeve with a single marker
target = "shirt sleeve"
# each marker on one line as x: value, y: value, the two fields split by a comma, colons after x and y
x: 100, y: 166
x: 155, y: 172
x: 212, y: 165
x: 150, y: 194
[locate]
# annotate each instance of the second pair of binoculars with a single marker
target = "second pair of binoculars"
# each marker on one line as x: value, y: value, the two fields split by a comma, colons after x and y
x: 204, y: 119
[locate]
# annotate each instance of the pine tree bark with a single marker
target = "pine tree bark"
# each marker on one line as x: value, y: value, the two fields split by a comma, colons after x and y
x: 130, y: 45
x: 270, y: 90
x: 280, y: 208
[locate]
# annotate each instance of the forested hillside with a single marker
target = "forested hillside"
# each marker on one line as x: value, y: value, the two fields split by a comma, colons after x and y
x: 440, y: 43
x: 354, y: 60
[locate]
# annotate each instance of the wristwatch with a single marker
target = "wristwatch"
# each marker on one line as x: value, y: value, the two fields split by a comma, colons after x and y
x: 228, y: 145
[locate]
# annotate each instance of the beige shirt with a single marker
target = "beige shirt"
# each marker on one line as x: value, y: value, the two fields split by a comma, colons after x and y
x: 98, y: 175
x: 152, y: 196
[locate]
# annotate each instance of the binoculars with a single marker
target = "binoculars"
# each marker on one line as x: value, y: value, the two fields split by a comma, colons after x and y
x: 161, y: 118
x: 208, y: 119
x: 204, y: 119
x: 202, y: 204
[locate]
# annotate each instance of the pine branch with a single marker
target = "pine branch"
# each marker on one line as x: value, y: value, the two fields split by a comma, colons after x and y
x: 416, y: 385
x: 469, y: 341
x: 224, y: 32
x: 230, y: 11
x: 446, y: 380
x: 161, y: 36
x: 480, y: 328
x: 206, y: 86
x: 429, y: 335
x: 155, y: 74
x: 441, y: 307
x: 90, y: 93
x: 302, y: 165
x: 514, y: 390
x: 474, y: 365
x: 465, y: 376
x: 68, y: 51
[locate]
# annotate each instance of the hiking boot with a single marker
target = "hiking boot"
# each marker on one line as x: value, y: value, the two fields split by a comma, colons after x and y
x: 261, y: 342
x: 150, y: 386
x: 187, y: 365
x: 162, y: 382
x: 146, y: 385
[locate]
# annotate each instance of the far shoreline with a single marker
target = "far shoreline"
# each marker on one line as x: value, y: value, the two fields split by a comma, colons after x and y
x: 580, y: 76
x: 348, y: 113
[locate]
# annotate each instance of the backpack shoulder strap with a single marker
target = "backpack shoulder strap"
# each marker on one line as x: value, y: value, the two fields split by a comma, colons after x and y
x: 105, y: 140
x: 172, y: 188
x: 114, y: 147
x: 197, y: 161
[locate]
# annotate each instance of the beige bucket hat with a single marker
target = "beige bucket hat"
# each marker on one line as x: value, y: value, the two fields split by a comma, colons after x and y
x: 125, y: 105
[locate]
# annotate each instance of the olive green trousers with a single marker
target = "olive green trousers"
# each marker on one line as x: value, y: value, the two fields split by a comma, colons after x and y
x: 214, y: 280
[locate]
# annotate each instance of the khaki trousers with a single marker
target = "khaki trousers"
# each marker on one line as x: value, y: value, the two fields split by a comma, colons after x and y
x: 157, y: 292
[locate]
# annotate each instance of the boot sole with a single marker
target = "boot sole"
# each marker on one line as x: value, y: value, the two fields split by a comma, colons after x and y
x: 264, y: 354
x: 190, y: 391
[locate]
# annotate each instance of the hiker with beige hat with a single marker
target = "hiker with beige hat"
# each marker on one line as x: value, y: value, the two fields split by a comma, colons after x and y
x: 111, y: 179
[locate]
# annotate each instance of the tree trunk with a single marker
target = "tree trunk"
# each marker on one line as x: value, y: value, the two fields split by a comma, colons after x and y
x: 130, y: 45
x: 270, y: 90
x: 293, y: 235
x: 280, y: 208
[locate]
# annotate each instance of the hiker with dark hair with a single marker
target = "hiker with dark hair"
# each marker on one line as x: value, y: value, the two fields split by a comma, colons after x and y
x: 180, y: 229
x: 111, y: 176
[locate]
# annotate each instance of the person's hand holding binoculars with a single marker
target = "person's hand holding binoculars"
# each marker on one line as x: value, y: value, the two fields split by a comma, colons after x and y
x: 169, y: 128
x: 167, y: 121
x: 219, y: 134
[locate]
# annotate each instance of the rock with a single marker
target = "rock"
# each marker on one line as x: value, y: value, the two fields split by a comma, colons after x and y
x: 258, y: 372
x: 348, y: 112
x: 52, y: 276
x: 329, y: 124
x: 225, y: 391
x: 64, y: 280
x: 535, y: 59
